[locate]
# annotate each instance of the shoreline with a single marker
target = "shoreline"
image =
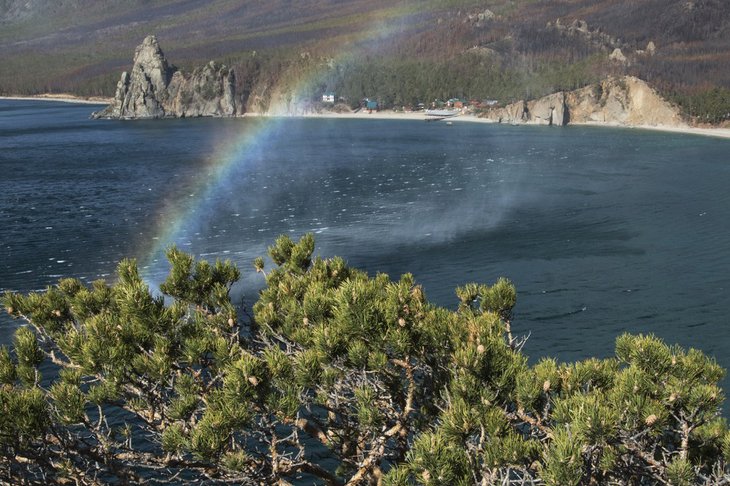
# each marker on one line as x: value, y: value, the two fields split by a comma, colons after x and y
x: 470, y: 118
x: 684, y: 130
x: 390, y: 115
x: 62, y: 98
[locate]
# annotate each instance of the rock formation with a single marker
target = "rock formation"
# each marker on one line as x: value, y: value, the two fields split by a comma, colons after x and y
x: 580, y: 28
x: 153, y: 89
x: 618, y: 56
x: 621, y: 101
x: 549, y: 110
x: 626, y: 101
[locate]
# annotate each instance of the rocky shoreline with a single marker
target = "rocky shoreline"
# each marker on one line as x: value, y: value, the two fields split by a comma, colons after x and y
x: 623, y: 101
x: 154, y: 89
x: 716, y: 132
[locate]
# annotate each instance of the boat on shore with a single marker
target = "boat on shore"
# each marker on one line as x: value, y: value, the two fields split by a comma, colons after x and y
x: 442, y: 113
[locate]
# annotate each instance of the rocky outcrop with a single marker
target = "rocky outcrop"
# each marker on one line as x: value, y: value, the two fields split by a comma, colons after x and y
x: 514, y: 113
x: 626, y: 101
x: 618, y: 56
x: 579, y: 28
x: 154, y: 89
x: 621, y: 101
x: 549, y: 110
x: 479, y: 18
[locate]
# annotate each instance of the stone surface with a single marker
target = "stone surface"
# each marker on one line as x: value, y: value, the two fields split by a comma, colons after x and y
x: 626, y: 101
x: 621, y: 101
x: 155, y: 90
x: 514, y: 113
x: 549, y: 110
x: 618, y: 56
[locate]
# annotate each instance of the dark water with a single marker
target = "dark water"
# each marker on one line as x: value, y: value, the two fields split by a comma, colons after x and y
x: 602, y: 230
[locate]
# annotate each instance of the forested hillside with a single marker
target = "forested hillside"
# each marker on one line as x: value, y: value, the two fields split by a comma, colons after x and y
x: 399, y: 53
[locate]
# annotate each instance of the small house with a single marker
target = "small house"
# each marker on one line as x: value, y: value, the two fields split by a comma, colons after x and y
x: 328, y: 97
x: 457, y: 103
x: 371, y: 105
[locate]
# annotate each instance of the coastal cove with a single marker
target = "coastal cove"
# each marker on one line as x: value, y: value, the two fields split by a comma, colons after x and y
x: 602, y: 230
x: 395, y: 115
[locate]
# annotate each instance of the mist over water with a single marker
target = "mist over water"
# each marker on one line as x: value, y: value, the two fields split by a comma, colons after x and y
x: 602, y: 230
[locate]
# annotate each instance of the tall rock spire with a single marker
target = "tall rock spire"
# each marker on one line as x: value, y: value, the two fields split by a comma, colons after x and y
x: 150, y: 64
x: 155, y: 90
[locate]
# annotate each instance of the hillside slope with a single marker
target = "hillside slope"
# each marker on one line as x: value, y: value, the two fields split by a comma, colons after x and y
x: 399, y: 52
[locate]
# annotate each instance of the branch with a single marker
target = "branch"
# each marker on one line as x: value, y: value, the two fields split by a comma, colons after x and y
x: 313, y: 430
x: 315, y: 470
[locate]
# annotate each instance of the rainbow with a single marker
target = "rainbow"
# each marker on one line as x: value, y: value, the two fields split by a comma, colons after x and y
x: 175, y: 219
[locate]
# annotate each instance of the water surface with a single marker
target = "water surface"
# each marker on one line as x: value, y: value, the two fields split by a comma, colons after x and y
x: 602, y: 230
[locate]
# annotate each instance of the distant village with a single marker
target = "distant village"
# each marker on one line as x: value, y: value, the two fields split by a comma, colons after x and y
x: 373, y: 105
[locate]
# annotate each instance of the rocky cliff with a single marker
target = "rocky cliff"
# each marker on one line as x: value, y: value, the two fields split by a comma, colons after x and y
x: 154, y: 89
x: 626, y: 101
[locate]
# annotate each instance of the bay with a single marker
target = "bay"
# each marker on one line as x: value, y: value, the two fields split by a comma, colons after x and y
x: 602, y: 230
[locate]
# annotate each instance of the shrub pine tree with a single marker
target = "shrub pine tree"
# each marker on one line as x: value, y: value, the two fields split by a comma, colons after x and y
x: 337, y: 378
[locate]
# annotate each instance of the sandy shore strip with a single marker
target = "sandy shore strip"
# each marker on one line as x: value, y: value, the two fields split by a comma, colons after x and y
x: 706, y: 132
x: 469, y: 118
x: 61, y: 97
x: 381, y: 115
x: 684, y: 129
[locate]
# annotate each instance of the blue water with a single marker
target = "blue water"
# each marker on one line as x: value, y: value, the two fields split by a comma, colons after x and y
x: 602, y: 230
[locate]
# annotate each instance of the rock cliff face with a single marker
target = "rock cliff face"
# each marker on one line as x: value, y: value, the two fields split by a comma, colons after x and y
x: 625, y: 101
x: 621, y: 101
x: 550, y: 110
x: 153, y: 89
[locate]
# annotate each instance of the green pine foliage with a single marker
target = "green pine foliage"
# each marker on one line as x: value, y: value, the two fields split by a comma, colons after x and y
x: 337, y: 378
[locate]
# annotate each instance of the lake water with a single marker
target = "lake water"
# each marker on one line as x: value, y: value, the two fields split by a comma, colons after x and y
x: 602, y: 230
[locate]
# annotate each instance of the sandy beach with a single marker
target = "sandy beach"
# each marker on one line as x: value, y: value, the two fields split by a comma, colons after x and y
x: 62, y: 97
x: 707, y: 132
x: 380, y: 115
